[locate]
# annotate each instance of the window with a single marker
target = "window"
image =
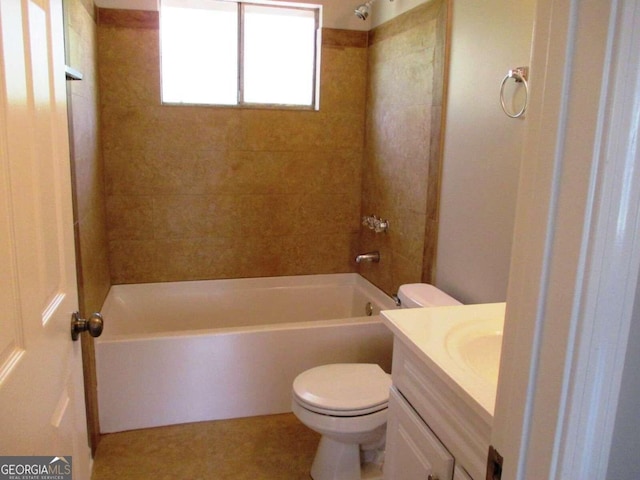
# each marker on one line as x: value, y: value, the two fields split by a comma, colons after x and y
x: 235, y: 53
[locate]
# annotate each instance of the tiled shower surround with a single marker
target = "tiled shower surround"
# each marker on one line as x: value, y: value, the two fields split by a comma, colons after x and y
x: 198, y: 192
x: 401, y: 164
x: 88, y: 173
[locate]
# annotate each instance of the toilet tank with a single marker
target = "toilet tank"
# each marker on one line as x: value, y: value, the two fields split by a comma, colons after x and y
x: 415, y: 295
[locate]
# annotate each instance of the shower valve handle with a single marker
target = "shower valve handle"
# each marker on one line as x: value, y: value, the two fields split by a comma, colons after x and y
x: 93, y: 325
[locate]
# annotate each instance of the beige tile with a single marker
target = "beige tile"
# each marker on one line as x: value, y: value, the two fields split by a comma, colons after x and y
x: 320, y: 253
x: 127, y: 171
x: 430, y: 250
x: 130, y: 217
x: 128, y: 19
x: 257, y: 172
x: 81, y: 30
x: 406, y: 80
x: 125, y: 128
x: 129, y: 66
x: 188, y: 216
x: 272, y: 447
x: 196, y: 128
x: 197, y: 216
x: 405, y: 270
x: 132, y: 261
x: 92, y: 248
x: 172, y: 171
x: 435, y: 160
x: 195, y: 259
x: 236, y: 175
x: 402, y: 133
x: 93, y: 259
x: 377, y: 273
x: 407, y: 234
x: 407, y: 30
x: 185, y: 170
x: 343, y: 80
x: 85, y: 124
x: 255, y: 256
x: 228, y: 177
x: 277, y: 130
x: 266, y: 172
x: 158, y: 128
x: 327, y: 213
x: 400, y: 175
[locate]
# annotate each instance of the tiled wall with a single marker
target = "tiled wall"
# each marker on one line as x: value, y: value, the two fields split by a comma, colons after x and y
x: 204, y: 192
x: 87, y: 170
x: 401, y: 171
x: 87, y: 159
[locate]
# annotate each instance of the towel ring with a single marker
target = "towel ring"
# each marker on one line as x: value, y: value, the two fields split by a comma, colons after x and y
x: 519, y: 74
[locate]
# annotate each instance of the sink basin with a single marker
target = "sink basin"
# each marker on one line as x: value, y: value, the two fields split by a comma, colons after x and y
x: 461, y: 344
x: 477, y: 345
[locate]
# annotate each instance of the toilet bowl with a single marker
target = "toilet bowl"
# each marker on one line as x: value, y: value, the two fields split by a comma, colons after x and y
x: 347, y: 404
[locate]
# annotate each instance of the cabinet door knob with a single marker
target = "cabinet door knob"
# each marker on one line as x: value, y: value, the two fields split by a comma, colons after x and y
x: 433, y: 477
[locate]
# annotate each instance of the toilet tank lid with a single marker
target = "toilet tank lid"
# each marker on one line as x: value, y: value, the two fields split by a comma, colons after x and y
x: 413, y: 295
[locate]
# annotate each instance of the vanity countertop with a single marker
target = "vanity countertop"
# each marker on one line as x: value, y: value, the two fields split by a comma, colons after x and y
x: 460, y: 344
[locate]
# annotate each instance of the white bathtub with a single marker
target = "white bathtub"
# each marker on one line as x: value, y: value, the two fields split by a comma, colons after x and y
x: 193, y: 351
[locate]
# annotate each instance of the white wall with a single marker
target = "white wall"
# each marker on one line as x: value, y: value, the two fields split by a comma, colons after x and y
x: 481, y: 150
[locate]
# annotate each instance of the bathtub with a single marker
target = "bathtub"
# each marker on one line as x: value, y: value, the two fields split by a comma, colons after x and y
x: 206, y: 350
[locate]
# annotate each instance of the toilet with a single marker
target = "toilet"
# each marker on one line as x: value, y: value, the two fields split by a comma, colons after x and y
x: 347, y: 404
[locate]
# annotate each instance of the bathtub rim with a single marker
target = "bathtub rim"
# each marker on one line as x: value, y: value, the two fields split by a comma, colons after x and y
x: 270, y: 327
x: 385, y: 302
x: 315, y: 279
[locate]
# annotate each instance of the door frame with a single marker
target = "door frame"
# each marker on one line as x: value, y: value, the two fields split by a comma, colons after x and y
x: 575, y: 261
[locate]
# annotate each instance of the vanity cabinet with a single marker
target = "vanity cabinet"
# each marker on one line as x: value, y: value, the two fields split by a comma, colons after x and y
x: 432, y: 433
x: 413, y: 451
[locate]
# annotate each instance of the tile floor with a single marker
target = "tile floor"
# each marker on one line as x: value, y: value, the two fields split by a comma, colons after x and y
x: 257, y: 448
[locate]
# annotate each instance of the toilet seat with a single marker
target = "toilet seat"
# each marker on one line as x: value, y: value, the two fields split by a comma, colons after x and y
x: 343, y: 389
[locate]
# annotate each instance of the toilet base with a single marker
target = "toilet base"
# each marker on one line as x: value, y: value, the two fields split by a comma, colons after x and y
x: 341, y: 461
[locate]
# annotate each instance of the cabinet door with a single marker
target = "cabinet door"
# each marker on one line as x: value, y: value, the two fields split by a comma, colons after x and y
x: 413, y: 452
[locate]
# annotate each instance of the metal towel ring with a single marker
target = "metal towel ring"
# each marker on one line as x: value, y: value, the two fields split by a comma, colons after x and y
x: 519, y: 74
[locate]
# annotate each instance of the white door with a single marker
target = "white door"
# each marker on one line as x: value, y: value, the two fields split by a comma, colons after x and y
x: 41, y: 395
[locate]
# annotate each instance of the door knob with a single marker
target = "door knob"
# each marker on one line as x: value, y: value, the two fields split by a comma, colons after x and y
x: 93, y: 325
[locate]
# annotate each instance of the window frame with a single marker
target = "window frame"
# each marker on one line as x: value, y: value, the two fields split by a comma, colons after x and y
x: 240, y: 103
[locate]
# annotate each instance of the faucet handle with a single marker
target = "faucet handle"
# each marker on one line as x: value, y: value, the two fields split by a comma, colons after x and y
x: 374, y: 223
x: 381, y: 225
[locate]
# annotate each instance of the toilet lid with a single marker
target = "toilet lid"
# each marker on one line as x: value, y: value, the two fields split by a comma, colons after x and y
x: 343, y: 388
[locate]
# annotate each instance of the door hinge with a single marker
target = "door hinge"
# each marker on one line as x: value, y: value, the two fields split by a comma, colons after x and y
x: 494, y: 464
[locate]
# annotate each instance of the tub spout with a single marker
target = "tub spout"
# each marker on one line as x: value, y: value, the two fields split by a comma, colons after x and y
x: 368, y: 257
